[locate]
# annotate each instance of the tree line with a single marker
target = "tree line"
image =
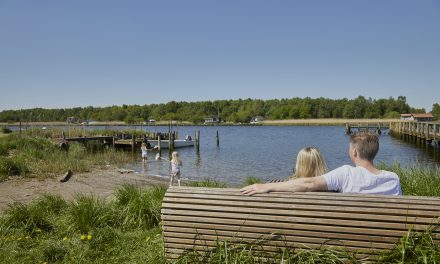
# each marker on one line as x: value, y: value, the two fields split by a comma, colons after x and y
x: 241, y: 110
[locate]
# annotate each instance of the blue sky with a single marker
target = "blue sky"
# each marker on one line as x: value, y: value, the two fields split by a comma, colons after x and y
x: 60, y: 54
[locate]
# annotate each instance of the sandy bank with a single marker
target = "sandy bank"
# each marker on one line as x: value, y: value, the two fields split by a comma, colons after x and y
x: 101, y: 183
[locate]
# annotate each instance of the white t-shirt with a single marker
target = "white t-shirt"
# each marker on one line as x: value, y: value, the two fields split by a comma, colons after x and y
x: 349, y: 179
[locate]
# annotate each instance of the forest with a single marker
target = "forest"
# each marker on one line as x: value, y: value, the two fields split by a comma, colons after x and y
x: 240, y: 110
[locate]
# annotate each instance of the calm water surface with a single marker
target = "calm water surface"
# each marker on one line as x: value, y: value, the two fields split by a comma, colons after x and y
x: 269, y: 152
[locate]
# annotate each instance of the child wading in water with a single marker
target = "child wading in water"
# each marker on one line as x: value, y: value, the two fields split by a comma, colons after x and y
x: 176, y: 164
x: 144, y: 152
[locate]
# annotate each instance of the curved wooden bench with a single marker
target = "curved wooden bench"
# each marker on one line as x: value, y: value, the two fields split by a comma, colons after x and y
x: 195, y: 218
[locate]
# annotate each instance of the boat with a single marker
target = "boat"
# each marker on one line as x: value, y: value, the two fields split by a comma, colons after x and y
x: 178, y: 143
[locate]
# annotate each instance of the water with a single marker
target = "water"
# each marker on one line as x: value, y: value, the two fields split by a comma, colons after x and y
x: 268, y: 152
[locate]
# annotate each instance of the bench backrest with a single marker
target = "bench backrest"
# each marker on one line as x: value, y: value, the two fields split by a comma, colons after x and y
x: 195, y: 218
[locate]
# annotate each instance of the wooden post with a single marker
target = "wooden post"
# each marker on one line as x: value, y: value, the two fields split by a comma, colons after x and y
x: 113, y: 141
x: 427, y: 132
x: 133, y: 143
x: 197, y: 140
x: 174, y: 138
x: 218, y: 140
x: 20, y: 128
x: 159, y: 147
x: 435, y: 133
x: 169, y: 143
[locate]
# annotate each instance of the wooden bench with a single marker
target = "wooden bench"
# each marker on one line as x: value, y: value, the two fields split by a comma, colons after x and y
x: 195, y: 218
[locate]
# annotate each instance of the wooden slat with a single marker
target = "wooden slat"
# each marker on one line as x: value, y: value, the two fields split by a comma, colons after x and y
x: 297, y: 212
x: 175, y: 226
x: 323, y: 195
x: 297, y: 206
x: 189, y: 221
x: 305, y: 200
x: 306, y: 237
x: 295, y: 219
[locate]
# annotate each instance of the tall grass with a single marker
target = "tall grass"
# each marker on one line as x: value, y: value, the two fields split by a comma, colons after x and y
x: 38, y: 157
x: 417, y: 180
x: 87, y: 230
x: 139, y: 209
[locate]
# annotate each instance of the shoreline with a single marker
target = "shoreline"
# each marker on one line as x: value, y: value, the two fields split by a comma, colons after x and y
x: 280, y: 122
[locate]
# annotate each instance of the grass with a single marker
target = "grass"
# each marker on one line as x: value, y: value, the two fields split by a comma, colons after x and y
x: 39, y: 157
x: 251, y: 180
x: 87, y: 230
x: 417, y: 180
x: 127, y: 229
x: 208, y: 183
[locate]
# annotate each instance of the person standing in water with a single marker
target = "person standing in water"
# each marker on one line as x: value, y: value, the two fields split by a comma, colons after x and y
x: 176, y: 164
x: 144, y: 151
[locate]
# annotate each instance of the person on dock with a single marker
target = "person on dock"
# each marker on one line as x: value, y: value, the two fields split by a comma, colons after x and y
x: 176, y: 164
x: 365, y: 178
x: 144, y: 151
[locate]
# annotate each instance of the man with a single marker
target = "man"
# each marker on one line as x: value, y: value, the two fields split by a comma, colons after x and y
x: 364, y: 178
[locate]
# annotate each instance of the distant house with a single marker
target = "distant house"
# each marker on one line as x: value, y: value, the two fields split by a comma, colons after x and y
x: 417, y: 117
x: 214, y: 119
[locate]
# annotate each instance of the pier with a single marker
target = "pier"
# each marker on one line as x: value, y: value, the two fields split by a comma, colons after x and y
x: 421, y: 132
x: 368, y: 127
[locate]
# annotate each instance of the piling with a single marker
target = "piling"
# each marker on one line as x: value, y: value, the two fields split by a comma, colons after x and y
x: 435, y: 133
x: 159, y: 148
x: 218, y: 140
x: 197, y: 137
x: 133, y: 144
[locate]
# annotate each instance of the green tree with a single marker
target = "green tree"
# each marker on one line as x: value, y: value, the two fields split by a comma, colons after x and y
x: 436, y: 111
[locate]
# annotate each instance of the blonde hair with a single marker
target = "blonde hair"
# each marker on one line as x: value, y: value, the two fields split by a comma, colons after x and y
x: 175, y: 158
x: 309, y: 163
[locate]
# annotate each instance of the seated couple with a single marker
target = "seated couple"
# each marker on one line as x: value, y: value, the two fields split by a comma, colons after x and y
x: 311, y: 176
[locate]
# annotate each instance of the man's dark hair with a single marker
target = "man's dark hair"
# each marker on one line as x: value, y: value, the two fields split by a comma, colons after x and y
x: 366, y: 144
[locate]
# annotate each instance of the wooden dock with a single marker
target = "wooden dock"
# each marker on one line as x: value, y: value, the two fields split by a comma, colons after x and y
x: 421, y: 132
x: 368, y: 127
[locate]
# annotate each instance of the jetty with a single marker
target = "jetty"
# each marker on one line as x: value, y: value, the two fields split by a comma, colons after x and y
x: 367, y: 127
x: 421, y: 132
